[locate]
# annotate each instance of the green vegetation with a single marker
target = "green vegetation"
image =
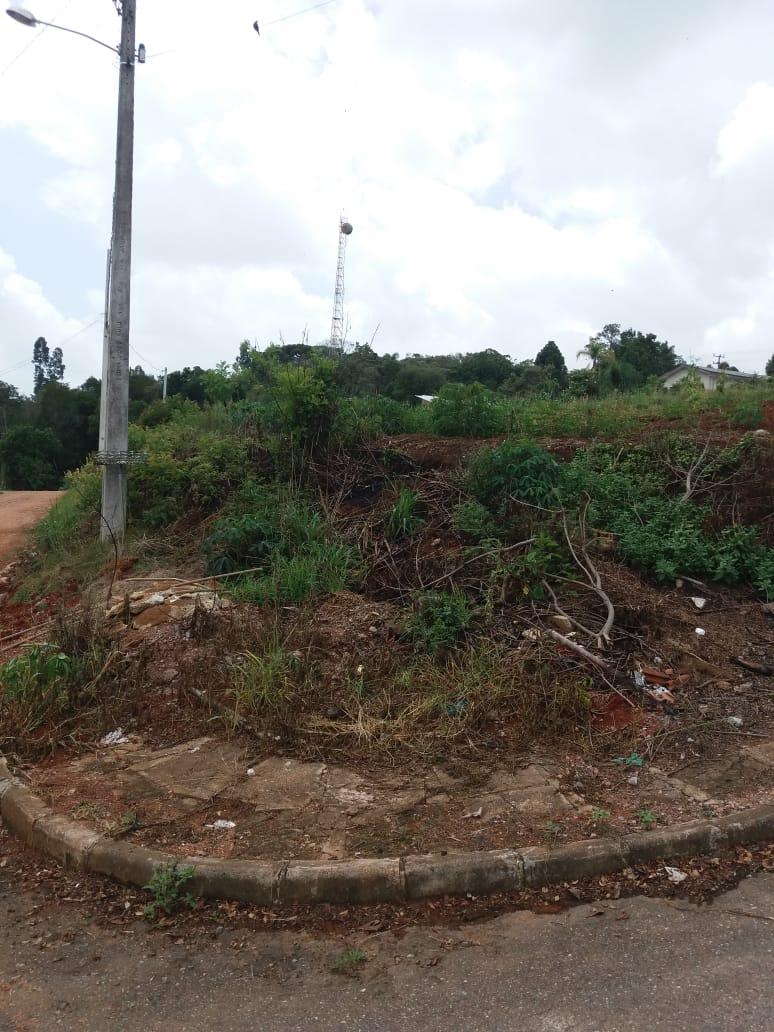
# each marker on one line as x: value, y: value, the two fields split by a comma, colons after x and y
x: 166, y: 886
x: 403, y: 520
x: 348, y: 960
x: 439, y: 619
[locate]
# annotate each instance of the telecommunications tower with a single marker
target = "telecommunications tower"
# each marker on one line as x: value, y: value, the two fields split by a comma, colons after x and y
x: 337, y: 324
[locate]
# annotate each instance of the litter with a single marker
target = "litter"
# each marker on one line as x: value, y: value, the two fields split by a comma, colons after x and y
x: 661, y: 694
x: 675, y: 875
x: 116, y: 737
x: 251, y: 772
x: 736, y: 722
x: 700, y: 603
x: 700, y: 631
x: 221, y: 825
x: 634, y: 780
x: 473, y: 813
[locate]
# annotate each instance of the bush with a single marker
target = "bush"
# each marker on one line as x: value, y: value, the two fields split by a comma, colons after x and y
x: 524, y: 471
x: 474, y: 521
x: 263, y: 519
x: 187, y: 470
x: 265, y: 683
x: 63, y: 524
x: 439, y: 618
x: 467, y: 410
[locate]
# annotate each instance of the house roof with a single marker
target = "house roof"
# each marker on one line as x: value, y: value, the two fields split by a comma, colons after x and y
x: 730, y: 373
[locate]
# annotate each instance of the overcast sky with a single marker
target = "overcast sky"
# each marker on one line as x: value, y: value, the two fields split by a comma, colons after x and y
x: 515, y: 171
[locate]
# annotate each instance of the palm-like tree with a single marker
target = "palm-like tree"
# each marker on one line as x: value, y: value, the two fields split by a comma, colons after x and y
x: 597, y: 351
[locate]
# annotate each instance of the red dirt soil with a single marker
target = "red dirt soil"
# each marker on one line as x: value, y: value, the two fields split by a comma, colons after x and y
x: 20, y: 511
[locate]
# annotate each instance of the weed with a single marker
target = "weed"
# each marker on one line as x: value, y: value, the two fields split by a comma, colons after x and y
x: 166, y: 887
x: 264, y: 683
x: 647, y: 818
x: 512, y: 471
x: 403, y: 521
x: 348, y: 960
x: 439, y: 618
x: 467, y: 410
x: 600, y: 816
x: 553, y: 832
x: 474, y: 521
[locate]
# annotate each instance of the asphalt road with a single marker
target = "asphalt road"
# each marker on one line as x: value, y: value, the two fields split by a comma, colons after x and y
x: 631, y: 964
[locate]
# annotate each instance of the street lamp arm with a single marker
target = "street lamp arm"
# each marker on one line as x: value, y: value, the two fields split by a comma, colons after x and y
x: 75, y: 32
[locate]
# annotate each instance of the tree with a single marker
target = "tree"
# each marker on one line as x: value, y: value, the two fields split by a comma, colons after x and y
x: 30, y: 456
x: 488, y: 367
x: 40, y: 360
x: 645, y: 354
x: 530, y: 378
x: 416, y: 377
x: 55, y: 370
x: 597, y: 350
x: 552, y: 360
x: 770, y: 367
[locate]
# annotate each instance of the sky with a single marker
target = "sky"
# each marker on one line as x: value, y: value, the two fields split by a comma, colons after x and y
x: 514, y: 171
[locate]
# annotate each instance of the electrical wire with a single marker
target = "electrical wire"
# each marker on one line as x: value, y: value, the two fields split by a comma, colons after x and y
x: 145, y: 360
x: 263, y: 25
x: 34, y: 39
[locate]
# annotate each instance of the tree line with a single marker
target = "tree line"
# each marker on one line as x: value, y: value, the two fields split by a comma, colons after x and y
x: 56, y: 428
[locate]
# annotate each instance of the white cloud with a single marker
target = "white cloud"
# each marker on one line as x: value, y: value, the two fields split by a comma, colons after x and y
x: 513, y: 174
x: 750, y: 131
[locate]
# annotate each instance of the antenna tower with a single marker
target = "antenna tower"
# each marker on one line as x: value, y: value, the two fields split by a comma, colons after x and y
x: 337, y: 323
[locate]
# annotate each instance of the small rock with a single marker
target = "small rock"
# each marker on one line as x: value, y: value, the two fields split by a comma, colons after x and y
x: 561, y: 623
x: 334, y: 713
x: 700, y: 632
x: 633, y: 780
x: 700, y: 603
x: 735, y: 722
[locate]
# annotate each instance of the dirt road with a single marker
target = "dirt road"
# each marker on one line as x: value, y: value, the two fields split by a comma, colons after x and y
x: 20, y: 511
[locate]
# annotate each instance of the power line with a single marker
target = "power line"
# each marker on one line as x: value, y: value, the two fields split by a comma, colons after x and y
x: 274, y: 21
x: 143, y: 359
x: 34, y: 39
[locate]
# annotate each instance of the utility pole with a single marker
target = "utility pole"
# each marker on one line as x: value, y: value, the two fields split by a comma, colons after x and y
x: 164, y: 386
x: 115, y: 377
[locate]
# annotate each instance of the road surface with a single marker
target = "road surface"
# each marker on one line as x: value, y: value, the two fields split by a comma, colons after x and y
x: 20, y: 511
x: 620, y: 966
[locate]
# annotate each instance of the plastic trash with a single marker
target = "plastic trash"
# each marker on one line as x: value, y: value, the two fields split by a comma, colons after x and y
x: 700, y: 603
x: 675, y: 875
x: 736, y: 722
x: 221, y: 825
x: 116, y: 737
x: 700, y: 631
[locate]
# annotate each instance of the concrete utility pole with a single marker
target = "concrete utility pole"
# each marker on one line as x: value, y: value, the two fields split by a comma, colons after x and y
x: 164, y: 386
x: 115, y: 375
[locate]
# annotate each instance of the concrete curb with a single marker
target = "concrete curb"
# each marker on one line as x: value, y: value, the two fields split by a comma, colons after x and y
x: 77, y: 846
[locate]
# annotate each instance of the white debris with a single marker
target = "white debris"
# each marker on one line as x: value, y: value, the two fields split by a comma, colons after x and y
x: 473, y: 813
x: 634, y: 780
x: 700, y: 603
x: 736, y: 722
x: 221, y: 825
x: 700, y: 631
x: 251, y: 772
x: 116, y: 737
x: 675, y: 875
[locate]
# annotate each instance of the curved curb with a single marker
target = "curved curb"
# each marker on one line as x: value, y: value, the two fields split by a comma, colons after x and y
x: 76, y: 845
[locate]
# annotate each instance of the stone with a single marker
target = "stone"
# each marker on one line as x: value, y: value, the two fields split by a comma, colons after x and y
x: 199, y: 769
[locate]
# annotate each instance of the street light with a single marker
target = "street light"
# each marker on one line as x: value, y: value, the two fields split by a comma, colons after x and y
x: 114, y: 454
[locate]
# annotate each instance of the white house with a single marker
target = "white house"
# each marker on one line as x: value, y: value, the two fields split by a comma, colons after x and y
x: 710, y: 378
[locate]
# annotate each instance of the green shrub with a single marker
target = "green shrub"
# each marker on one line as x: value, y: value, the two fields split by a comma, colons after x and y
x: 187, y: 470
x: 467, y: 410
x: 263, y: 519
x: 63, y: 524
x: 474, y: 521
x: 523, y: 471
x: 403, y: 519
x: 166, y: 887
x: 306, y: 402
x: 439, y: 618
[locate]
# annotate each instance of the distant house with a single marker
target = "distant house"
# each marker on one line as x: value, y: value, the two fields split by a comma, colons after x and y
x: 710, y: 378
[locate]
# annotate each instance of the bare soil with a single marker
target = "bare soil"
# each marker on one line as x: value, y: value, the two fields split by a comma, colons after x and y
x: 20, y: 511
